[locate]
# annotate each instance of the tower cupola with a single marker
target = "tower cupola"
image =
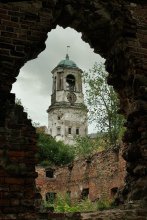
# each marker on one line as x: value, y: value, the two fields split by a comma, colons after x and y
x: 67, y: 63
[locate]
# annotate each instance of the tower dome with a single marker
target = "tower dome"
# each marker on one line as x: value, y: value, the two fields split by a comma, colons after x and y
x: 67, y: 63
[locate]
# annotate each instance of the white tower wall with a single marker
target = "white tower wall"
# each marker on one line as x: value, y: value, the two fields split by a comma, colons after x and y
x: 67, y: 114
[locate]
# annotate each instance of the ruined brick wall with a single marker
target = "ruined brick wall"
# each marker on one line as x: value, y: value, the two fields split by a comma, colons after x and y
x: 22, y: 37
x: 116, y: 30
x: 105, y: 171
x: 17, y: 173
x: 135, y: 85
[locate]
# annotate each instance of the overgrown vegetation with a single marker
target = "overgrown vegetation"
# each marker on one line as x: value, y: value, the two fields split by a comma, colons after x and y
x: 86, y: 147
x: 103, y: 104
x: 52, y: 152
x: 64, y: 204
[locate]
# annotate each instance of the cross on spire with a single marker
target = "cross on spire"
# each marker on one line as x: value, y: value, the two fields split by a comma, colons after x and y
x: 68, y: 48
x: 67, y: 56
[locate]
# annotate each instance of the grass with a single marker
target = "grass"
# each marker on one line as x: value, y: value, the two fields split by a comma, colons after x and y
x: 64, y: 205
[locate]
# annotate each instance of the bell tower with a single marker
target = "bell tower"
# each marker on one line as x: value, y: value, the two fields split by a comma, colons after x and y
x: 67, y: 114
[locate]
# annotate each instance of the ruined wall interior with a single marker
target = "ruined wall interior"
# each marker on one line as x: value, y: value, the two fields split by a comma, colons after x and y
x: 116, y: 30
x: 101, y: 174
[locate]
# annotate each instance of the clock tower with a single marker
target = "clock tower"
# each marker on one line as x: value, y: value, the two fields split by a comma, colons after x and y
x: 67, y: 114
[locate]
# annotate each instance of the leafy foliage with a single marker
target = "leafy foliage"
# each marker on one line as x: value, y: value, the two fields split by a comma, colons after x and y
x: 103, y: 104
x: 63, y: 204
x: 51, y: 152
x: 85, y: 146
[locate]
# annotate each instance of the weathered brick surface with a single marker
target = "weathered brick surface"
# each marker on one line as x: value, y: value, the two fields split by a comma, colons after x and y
x: 17, y: 164
x: 113, y: 214
x: 117, y: 31
x: 103, y: 172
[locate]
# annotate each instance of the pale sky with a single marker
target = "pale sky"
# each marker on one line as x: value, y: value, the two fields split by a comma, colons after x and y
x: 34, y: 83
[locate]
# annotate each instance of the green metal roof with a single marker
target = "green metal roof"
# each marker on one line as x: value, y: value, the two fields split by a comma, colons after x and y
x: 67, y: 63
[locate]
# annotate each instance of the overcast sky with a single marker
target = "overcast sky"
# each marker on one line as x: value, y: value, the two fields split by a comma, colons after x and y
x: 34, y: 83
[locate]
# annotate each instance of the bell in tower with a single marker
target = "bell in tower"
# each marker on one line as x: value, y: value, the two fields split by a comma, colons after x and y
x: 67, y: 114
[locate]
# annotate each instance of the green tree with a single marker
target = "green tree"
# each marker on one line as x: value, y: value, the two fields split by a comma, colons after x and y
x: 103, y: 104
x: 52, y: 152
x: 85, y: 146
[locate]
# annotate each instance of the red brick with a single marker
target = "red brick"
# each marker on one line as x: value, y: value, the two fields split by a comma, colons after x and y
x: 4, y: 202
x: 4, y: 16
x: 15, y: 181
x: 105, y: 171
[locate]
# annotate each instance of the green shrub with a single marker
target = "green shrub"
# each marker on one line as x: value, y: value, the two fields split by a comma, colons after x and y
x: 103, y: 204
x: 87, y: 206
x: 52, y: 152
x: 85, y: 146
x: 63, y: 204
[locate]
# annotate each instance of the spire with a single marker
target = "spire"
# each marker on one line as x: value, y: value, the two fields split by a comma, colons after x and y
x: 67, y: 56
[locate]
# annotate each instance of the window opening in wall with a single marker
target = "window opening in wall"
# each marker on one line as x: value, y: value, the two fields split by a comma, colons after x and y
x: 50, y: 197
x: 45, y: 62
x: 54, y: 87
x: 69, y: 130
x: 114, y: 191
x: 59, y: 117
x: 50, y: 173
x: 58, y: 131
x: 70, y: 82
x: 85, y: 193
x: 77, y: 131
x: 70, y: 167
x: 59, y: 81
x: 68, y: 194
x: 60, y: 84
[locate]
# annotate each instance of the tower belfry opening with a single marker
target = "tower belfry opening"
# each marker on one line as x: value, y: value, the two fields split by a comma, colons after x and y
x: 70, y: 81
x: 67, y: 103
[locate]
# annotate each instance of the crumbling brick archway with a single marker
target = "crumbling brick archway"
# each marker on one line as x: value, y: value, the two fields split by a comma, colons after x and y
x: 116, y: 30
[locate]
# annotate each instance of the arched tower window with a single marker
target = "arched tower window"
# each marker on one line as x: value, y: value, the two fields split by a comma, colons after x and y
x: 70, y: 82
x: 59, y: 81
x: 54, y: 84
